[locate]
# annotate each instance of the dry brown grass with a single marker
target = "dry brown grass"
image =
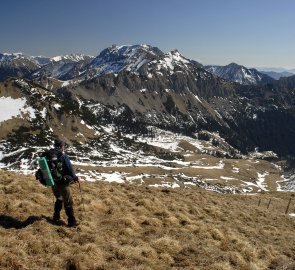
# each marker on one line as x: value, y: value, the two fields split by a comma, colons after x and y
x: 136, y: 227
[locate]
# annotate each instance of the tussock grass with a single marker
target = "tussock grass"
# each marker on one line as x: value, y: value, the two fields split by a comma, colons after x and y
x: 137, y: 227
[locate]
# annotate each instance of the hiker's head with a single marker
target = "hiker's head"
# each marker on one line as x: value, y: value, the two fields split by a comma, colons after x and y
x: 59, y: 144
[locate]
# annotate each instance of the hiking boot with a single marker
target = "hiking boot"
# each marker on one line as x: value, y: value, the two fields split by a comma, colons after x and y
x: 56, y: 216
x: 72, y: 222
x: 58, y: 222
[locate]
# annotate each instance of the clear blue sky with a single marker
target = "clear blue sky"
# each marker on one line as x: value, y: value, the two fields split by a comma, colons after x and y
x: 258, y: 33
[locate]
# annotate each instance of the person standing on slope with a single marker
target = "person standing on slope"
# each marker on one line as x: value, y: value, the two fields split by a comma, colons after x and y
x: 61, y: 189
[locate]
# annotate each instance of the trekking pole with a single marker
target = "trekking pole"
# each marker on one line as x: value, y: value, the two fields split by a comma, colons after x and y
x: 288, y: 206
x: 82, y: 199
x: 53, y: 200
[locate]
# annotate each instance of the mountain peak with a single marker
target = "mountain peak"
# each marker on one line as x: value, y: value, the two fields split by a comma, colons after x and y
x: 172, y: 59
x: 74, y: 57
x: 240, y: 74
x: 129, y: 50
x: 234, y: 65
x: 129, y: 57
x: 176, y: 54
x: 11, y: 56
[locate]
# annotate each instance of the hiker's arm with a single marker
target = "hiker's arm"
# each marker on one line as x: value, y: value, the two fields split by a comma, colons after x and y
x: 69, y: 168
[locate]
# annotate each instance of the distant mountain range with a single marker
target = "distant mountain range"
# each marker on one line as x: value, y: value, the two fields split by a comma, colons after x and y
x: 137, y: 88
x: 277, y: 75
x: 240, y: 74
x: 278, y: 70
x: 77, y: 67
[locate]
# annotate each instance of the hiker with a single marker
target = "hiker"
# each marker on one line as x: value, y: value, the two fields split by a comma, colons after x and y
x: 61, y: 189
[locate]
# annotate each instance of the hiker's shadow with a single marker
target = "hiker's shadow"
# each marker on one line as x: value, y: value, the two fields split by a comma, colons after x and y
x: 9, y: 222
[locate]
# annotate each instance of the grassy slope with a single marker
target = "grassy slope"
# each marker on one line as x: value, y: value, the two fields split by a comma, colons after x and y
x: 136, y: 227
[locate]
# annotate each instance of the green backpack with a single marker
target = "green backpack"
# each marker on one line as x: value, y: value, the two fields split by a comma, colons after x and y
x: 50, y: 168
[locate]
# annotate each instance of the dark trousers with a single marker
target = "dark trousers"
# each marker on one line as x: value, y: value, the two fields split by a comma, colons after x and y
x: 63, y: 196
x: 63, y: 193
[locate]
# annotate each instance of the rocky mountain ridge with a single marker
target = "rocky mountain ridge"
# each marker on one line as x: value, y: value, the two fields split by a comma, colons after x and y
x: 75, y: 68
x: 137, y: 90
x: 240, y: 74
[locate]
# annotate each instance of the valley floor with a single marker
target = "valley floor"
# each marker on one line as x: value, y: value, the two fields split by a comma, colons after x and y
x: 130, y: 226
x: 218, y: 174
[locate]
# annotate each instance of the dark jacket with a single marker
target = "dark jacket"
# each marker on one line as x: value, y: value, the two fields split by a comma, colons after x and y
x: 67, y: 168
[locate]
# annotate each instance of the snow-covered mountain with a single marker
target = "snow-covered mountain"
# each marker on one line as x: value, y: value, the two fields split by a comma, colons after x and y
x: 59, y: 67
x: 131, y: 95
x: 138, y: 88
x: 73, y: 68
x: 22, y: 58
x: 17, y: 65
x: 128, y: 57
x: 64, y: 67
x: 240, y: 74
x: 73, y: 57
x: 9, y: 57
